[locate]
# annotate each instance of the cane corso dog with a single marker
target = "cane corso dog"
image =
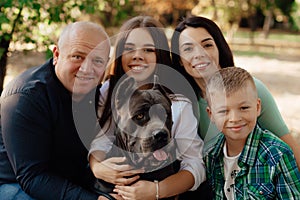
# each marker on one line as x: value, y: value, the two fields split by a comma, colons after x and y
x: 143, y: 121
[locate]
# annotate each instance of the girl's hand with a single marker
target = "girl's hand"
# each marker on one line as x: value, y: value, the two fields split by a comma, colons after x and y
x: 141, y: 190
x: 113, y: 171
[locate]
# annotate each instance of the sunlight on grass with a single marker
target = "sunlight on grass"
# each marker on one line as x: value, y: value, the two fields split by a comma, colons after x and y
x: 279, y: 44
x: 274, y: 35
x: 254, y: 53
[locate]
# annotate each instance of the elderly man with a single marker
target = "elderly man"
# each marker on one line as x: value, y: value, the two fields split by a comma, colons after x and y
x: 46, y: 112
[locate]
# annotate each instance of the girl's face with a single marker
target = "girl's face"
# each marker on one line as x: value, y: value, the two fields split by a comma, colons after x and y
x: 199, y: 52
x: 139, y: 58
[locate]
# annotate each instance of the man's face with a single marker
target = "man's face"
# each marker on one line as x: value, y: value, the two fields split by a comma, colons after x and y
x: 80, y: 60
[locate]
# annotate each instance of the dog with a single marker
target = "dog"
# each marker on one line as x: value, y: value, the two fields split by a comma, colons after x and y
x: 143, y: 121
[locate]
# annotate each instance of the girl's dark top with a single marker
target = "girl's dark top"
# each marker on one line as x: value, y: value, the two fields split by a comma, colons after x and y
x: 40, y: 139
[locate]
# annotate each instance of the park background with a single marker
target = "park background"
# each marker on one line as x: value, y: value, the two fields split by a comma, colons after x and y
x: 263, y: 34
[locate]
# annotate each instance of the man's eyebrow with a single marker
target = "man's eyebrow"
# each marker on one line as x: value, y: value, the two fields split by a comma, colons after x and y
x: 77, y: 51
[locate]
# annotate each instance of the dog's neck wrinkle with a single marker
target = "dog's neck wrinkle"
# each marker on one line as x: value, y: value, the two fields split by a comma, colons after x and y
x: 120, y: 142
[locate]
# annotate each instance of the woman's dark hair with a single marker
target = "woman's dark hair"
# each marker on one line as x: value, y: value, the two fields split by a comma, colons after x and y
x: 162, y: 52
x: 225, y: 53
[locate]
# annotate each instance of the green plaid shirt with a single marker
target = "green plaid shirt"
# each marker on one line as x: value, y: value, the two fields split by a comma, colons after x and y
x: 268, y: 169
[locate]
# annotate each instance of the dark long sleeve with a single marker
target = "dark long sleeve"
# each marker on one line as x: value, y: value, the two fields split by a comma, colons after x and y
x: 41, y: 139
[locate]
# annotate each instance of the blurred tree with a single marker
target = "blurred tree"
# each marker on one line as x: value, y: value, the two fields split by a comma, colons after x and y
x: 114, y: 12
x: 249, y: 12
x: 274, y: 10
x: 35, y: 21
x: 28, y: 21
x: 25, y: 21
x: 168, y: 11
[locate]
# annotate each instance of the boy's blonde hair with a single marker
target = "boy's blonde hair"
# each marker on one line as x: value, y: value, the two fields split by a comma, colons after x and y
x: 228, y: 80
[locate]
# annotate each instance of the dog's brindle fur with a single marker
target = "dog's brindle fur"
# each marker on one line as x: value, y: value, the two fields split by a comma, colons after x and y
x: 143, y: 125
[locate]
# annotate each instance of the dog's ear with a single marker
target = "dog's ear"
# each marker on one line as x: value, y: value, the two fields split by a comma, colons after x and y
x: 159, y: 87
x: 124, y: 91
x: 156, y: 84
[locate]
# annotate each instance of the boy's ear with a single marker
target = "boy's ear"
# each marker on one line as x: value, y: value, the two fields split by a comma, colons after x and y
x: 209, y: 113
x: 258, y: 106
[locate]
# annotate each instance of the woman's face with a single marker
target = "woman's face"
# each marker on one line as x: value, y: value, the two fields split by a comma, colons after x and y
x: 139, y: 58
x: 199, y: 52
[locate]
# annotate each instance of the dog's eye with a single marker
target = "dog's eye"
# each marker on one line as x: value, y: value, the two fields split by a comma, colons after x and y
x: 139, y: 116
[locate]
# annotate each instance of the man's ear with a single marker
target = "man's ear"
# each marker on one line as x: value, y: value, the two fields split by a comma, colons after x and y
x: 55, y: 52
x: 180, y: 62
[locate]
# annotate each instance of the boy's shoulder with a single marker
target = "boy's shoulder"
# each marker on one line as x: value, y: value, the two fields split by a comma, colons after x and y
x: 215, y: 146
x: 271, y: 148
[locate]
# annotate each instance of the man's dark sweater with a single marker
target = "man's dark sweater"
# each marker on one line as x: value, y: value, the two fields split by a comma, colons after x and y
x: 39, y: 142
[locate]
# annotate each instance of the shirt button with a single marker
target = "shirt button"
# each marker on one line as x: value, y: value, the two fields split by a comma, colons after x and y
x: 90, y: 102
x: 261, y: 192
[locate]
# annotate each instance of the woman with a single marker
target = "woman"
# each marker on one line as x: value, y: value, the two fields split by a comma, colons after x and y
x: 198, y: 50
x: 141, y: 49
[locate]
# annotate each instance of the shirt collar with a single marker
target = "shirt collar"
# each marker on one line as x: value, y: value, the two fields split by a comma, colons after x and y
x: 250, y: 150
x: 249, y: 153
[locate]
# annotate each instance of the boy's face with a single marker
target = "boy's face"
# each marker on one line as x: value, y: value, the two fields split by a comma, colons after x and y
x: 235, y: 114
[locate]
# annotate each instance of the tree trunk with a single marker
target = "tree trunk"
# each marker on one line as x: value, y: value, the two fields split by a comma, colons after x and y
x: 5, y: 40
x: 267, y: 23
x: 215, y: 15
x: 4, y: 44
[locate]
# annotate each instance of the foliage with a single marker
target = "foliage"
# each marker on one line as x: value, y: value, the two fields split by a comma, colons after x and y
x: 233, y: 11
x: 28, y: 21
x: 114, y: 12
x: 35, y: 22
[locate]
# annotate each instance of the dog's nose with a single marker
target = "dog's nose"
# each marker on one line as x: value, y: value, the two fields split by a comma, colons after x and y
x: 161, y: 135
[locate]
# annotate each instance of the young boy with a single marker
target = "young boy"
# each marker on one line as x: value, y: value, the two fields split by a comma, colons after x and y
x: 246, y: 162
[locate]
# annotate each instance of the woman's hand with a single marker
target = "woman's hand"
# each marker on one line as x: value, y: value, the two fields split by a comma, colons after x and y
x: 141, y: 190
x: 113, y: 170
x: 171, y: 186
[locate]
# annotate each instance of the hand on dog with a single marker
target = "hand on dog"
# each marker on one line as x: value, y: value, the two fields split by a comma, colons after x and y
x: 113, y: 171
x: 141, y: 190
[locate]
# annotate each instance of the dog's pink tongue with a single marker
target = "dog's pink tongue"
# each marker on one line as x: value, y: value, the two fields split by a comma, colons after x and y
x: 160, y: 155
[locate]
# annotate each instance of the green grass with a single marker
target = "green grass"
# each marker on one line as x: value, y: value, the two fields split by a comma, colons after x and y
x: 274, y: 35
x: 283, y: 42
x: 285, y: 37
x: 255, y: 53
x: 269, y: 55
